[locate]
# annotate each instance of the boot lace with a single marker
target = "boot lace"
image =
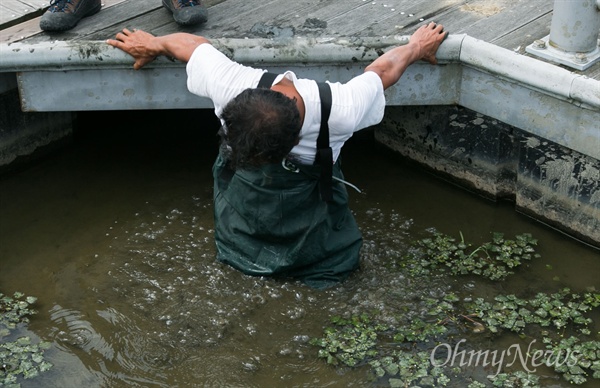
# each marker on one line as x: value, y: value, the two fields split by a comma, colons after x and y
x: 60, y: 5
x: 188, y: 3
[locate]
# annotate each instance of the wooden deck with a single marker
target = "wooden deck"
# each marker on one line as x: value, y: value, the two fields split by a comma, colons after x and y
x: 511, y: 24
x: 13, y: 12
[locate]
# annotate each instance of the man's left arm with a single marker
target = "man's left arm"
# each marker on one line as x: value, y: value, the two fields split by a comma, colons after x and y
x: 145, y: 47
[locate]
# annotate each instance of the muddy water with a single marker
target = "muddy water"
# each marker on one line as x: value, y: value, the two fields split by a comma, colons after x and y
x: 114, y: 235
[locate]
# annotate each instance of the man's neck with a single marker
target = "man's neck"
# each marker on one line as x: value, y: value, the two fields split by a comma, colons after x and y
x: 286, y: 87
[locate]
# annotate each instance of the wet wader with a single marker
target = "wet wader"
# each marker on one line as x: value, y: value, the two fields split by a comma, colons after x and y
x: 280, y: 219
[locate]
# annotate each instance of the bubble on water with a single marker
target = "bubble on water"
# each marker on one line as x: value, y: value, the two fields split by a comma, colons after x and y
x: 251, y: 329
x: 149, y: 295
x: 250, y: 366
x: 295, y: 313
x: 301, y: 338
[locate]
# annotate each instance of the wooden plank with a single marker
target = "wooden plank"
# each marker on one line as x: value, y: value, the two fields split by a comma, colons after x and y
x: 521, y: 37
x: 31, y: 27
x: 403, y: 18
x: 235, y: 18
x: 104, y: 24
x: 511, y: 17
x: 22, y: 7
x: 107, y: 18
x: 369, y: 18
x: 594, y: 71
x: 149, y: 21
x: 231, y: 18
x: 33, y: 4
x: 13, y: 12
x: 149, y: 16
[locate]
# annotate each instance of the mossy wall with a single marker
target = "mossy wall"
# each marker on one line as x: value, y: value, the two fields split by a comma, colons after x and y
x: 546, y: 181
x: 27, y: 135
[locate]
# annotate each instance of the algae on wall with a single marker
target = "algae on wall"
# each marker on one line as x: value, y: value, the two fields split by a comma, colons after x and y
x: 546, y: 181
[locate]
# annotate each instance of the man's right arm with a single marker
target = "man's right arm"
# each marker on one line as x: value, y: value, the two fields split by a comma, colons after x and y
x: 423, y: 45
x: 145, y: 47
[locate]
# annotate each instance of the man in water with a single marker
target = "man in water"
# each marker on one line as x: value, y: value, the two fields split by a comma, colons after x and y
x: 281, y: 208
x: 63, y: 15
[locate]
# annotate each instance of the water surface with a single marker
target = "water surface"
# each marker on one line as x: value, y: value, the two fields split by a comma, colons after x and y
x: 114, y: 235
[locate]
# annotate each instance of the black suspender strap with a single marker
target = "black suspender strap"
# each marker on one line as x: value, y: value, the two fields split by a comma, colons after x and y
x: 324, y: 156
x: 266, y: 81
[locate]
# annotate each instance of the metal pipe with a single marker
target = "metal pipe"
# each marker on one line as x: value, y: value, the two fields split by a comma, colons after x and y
x: 573, y: 39
x: 575, y: 25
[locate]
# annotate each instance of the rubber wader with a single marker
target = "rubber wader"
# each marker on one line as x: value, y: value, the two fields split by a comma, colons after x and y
x: 275, y: 221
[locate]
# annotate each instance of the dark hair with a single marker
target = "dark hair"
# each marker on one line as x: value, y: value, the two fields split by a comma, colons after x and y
x: 261, y: 127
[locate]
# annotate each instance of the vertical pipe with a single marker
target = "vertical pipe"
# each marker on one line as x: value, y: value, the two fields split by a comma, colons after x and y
x: 575, y: 25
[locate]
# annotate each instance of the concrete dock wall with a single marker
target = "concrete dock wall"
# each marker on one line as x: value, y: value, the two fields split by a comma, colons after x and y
x: 546, y: 181
x: 27, y: 135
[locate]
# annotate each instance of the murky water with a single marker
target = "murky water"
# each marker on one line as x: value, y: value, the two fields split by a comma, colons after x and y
x: 114, y: 235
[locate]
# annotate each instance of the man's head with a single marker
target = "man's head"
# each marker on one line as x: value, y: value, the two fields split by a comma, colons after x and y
x: 262, y: 127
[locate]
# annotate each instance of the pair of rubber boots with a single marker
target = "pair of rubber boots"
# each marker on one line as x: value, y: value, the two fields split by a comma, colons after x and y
x: 65, y: 14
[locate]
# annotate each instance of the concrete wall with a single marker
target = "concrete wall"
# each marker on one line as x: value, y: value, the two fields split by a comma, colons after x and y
x: 24, y: 136
x: 547, y: 181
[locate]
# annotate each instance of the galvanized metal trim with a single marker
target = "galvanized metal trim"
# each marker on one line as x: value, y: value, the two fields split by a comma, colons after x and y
x: 538, y: 75
x: 530, y: 94
x: 79, y: 55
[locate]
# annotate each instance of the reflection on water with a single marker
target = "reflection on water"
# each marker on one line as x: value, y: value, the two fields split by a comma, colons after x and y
x: 115, y: 237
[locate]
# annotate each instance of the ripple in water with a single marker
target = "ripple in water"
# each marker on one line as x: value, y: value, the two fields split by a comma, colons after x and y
x: 177, y: 316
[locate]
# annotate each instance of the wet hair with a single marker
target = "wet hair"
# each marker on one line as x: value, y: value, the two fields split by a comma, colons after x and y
x: 261, y: 126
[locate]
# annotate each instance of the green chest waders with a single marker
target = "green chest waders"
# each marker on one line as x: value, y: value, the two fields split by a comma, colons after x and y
x: 280, y: 219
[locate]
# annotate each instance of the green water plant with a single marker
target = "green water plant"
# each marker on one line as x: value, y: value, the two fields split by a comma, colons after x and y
x: 15, y: 309
x: 493, y: 260
x: 557, y: 309
x: 407, y: 367
x: 515, y: 379
x: 403, y: 354
x: 19, y: 357
x: 349, y: 341
x: 406, y: 353
x: 574, y: 359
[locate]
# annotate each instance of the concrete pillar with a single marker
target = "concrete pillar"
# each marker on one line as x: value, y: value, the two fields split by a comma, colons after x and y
x: 574, y: 31
x: 575, y: 26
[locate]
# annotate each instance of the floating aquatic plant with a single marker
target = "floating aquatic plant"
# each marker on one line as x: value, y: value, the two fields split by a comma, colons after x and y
x: 351, y: 340
x: 406, y: 368
x: 493, y: 260
x: 557, y: 309
x: 19, y: 357
x: 576, y: 360
x: 514, y: 379
x: 15, y: 309
x: 404, y: 353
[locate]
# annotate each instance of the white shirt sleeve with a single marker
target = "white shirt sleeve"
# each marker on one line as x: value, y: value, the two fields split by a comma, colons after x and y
x: 357, y: 104
x: 211, y: 74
